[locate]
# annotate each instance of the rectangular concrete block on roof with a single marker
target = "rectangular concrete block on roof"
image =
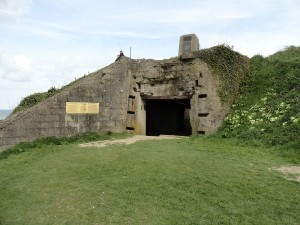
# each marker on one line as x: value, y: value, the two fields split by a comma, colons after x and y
x: 188, y: 43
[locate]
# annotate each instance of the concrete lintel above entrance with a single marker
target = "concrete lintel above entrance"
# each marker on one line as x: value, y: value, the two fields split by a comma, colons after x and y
x: 149, y: 97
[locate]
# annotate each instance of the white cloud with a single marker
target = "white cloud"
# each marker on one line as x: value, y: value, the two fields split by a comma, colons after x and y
x: 16, y: 68
x: 13, y: 9
x: 22, y: 75
x: 131, y: 34
x: 47, y: 24
x: 189, y: 12
x: 44, y: 32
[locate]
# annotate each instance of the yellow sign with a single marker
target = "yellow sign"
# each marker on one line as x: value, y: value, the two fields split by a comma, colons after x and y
x: 82, y: 108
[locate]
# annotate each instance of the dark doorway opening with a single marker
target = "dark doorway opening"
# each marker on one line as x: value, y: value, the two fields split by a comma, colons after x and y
x: 168, y: 116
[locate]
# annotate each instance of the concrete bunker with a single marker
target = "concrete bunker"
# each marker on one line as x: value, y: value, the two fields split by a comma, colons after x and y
x: 176, y: 96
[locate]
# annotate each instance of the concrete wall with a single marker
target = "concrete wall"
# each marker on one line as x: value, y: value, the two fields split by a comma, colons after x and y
x: 108, y: 87
x: 207, y: 109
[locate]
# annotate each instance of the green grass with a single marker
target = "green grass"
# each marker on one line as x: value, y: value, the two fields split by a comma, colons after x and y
x: 189, y: 181
x: 268, y: 109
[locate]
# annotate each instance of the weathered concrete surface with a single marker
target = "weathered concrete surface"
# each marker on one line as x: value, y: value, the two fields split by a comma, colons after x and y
x: 121, y: 89
x: 108, y: 86
x: 177, y: 78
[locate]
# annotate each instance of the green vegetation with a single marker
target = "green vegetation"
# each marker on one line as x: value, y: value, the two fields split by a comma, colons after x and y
x: 35, y: 98
x: 230, y: 67
x: 268, y: 109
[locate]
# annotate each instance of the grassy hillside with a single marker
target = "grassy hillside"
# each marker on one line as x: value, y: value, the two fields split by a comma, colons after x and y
x: 268, y: 109
x: 186, y: 181
x: 231, y: 67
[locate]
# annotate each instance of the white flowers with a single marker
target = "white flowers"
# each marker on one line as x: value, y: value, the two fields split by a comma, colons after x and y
x: 294, y: 119
x: 273, y: 119
x: 264, y: 100
x: 261, y: 114
x: 282, y: 104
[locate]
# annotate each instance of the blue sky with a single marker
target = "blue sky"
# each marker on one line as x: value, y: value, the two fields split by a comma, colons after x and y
x: 45, y: 43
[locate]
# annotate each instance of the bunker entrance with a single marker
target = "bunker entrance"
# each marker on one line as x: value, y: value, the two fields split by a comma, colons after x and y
x: 168, y: 116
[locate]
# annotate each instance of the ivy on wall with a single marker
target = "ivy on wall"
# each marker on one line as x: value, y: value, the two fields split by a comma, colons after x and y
x: 230, y: 67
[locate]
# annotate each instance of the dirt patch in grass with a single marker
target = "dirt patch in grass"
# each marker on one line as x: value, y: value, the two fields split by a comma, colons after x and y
x: 128, y: 141
x: 290, y: 172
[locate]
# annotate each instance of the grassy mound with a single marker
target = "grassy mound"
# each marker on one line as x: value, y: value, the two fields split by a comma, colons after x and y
x: 268, y: 109
x: 230, y: 66
x: 34, y: 99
